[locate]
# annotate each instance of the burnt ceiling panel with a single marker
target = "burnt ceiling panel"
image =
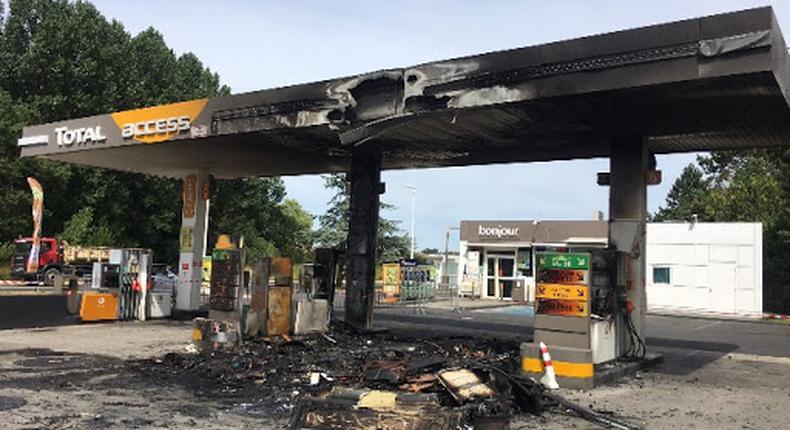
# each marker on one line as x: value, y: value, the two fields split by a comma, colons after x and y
x: 693, y: 85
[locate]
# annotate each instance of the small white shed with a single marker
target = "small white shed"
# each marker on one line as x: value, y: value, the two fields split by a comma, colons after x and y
x: 705, y: 267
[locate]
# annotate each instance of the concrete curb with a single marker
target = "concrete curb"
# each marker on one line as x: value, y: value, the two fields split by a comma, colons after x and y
x: 762, y: 319
x: 449, y: 306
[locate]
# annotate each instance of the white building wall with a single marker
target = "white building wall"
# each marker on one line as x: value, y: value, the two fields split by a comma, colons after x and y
x: 714, y: 267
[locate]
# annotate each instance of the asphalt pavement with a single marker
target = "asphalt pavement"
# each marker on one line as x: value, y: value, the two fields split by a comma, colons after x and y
x: 758, y: 337
x: 664, y: 332
x: 716, y: 373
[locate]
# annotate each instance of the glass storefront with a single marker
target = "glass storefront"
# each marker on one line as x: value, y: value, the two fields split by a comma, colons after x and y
x: 497, y: 258
x: 500, y: 274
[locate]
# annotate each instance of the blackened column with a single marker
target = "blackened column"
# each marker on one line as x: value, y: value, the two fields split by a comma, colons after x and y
x: 365, y: 181
x: 627, y: 217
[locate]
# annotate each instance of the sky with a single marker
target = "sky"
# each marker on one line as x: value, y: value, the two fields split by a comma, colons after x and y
x: 265, y: 44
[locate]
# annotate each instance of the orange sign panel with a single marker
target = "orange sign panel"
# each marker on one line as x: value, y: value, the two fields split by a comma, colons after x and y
x: 98, y: 307
x: 279, y: 315
x: 158, y: 123
x: 390, y: 273
x: 563, y: 292
x: 562, y: 276
x: 189, y: 191
x: 207, y: 187
x: 566, y: 308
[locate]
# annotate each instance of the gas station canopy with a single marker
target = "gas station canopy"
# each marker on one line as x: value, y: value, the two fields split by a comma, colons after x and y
x: 719, y: 82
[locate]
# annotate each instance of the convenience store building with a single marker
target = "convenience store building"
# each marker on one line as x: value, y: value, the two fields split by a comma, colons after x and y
x: 692, y: 267
x: 497, y: 258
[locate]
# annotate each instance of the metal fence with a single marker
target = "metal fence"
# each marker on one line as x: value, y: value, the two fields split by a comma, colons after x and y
x: 418, y: 294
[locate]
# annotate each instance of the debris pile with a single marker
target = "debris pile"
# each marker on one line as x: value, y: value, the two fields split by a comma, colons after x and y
x: 346, y: 379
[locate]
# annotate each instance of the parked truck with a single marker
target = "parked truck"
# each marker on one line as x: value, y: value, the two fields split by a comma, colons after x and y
x: 55, y: 258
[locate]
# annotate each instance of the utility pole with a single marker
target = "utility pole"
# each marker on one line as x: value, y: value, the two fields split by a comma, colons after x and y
x: 446, y: 272
x: 413, y: 191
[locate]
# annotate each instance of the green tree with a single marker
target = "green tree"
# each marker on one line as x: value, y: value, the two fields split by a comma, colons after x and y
x: 61, y: 60
x: 688, y: 196
x: 745, y: 185
x: 82, y: 228
x: 333, y: 225
x: 256, y: 208
x: 748, y: 186
x: 299, y: 223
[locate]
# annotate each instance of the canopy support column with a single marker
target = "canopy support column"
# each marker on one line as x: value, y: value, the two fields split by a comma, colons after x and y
x: 629, y: 162
x: 196, y: 190
x: 363, y: 224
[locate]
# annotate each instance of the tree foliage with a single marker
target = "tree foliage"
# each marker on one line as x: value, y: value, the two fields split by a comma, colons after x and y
x: 746, y: 186
x: 687, y: 197
x: 256, y: 208
x: 61, y: 60
x: 333, y: 225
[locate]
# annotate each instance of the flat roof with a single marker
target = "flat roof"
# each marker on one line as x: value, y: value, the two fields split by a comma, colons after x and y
x: 534, y: 231
x: 717, y: 82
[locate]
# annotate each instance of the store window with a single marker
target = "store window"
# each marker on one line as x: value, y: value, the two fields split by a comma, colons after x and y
x: 524, y: 262
x: 661, y: 275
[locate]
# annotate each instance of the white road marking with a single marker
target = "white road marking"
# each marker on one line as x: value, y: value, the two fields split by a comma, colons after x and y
x: 704, y: 326
x: 758, y: 358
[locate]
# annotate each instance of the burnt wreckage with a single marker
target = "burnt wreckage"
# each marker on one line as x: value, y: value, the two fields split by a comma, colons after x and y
x: 716, y: 82
x: 710, y: 83
x: 350, y: 379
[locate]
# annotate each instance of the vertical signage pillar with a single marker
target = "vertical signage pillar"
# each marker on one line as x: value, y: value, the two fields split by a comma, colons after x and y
x: 196, y: 190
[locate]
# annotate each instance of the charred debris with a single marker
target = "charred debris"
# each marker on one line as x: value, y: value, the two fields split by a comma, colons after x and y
x: 347, y: 379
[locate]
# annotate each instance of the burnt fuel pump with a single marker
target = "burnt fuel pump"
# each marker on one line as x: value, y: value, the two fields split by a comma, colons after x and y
x: 325, y: 273
x: 609, y: 303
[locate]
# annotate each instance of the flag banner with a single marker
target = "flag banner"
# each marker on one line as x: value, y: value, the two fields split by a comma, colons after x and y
x: 38, y: 213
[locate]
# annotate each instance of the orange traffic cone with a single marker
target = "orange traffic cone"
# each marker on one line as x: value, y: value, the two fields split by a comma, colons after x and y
x: 549, y: 379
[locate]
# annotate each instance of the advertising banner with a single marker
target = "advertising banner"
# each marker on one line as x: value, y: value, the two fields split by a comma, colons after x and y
x: 189, y: 191
x: 390, y: 275
x: 566, y: 308
x: 565, y: 292
x: 564, y: 261
x: 553, y: 276
x: 563, y: 284
x: 38, y: 213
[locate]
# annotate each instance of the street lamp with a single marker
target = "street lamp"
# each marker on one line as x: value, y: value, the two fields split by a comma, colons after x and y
x: 536, y: 224
x: 413, y: 191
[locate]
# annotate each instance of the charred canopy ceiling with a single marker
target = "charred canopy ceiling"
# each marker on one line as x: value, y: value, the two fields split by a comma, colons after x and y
x: 701, y: 84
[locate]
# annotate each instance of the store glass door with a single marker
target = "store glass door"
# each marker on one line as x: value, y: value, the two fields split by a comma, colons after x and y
x: 500, y: 275
x: 506, y: 274
x: 491, y: 277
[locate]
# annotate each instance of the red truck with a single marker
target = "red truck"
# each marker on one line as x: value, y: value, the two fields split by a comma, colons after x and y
x: 55, y: 258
